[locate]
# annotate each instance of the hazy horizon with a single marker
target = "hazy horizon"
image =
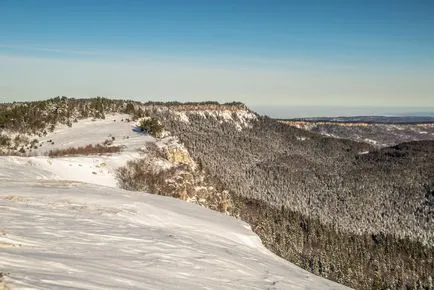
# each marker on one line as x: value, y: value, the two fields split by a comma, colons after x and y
x: 327, y: 111
x: 339, y: 54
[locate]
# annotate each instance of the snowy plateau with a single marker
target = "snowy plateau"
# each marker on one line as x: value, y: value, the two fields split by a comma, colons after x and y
x: 66, y: 224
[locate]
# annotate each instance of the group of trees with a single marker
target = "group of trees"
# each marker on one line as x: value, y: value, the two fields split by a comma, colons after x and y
x: 35, y: 117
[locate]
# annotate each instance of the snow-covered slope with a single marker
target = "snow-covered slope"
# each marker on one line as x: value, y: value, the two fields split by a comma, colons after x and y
x: 92, y: 169
x: 62, y: 228
x: 91, y: 131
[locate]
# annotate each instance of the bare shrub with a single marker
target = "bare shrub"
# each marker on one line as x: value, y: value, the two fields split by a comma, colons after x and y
x: 86, y: 150
x: 4, y: 140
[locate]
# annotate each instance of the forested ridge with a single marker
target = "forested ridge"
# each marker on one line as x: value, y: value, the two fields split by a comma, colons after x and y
x: 363, y: 219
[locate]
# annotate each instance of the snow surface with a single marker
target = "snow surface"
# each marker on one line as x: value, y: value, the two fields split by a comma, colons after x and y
x: 94, y: 169
x: 90, y: 131
x: 65, y: 225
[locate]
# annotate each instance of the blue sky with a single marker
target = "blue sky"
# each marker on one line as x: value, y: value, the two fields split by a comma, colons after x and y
x: 265, y: 53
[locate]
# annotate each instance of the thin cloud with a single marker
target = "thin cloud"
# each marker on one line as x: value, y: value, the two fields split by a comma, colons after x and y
x: 21, y: 48
x: 222, y: 60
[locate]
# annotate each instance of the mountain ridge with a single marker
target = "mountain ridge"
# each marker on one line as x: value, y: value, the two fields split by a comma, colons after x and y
x: 299, y: 190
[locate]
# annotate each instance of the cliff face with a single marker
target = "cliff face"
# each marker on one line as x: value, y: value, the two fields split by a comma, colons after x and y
x: 166, y: 168
x: 235, y: 107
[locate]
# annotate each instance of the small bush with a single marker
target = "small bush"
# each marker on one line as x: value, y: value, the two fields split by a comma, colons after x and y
x: 152, y: 126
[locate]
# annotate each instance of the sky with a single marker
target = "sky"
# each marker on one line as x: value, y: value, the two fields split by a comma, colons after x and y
x: 330, y: 57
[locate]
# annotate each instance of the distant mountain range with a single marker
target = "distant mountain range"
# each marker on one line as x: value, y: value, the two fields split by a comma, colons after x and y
x: 413, y: 119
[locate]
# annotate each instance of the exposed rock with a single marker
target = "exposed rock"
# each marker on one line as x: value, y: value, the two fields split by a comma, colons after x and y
x: 178, y: 155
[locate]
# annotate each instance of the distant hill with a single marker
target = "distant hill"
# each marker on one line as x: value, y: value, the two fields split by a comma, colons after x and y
x: 377, y: 131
